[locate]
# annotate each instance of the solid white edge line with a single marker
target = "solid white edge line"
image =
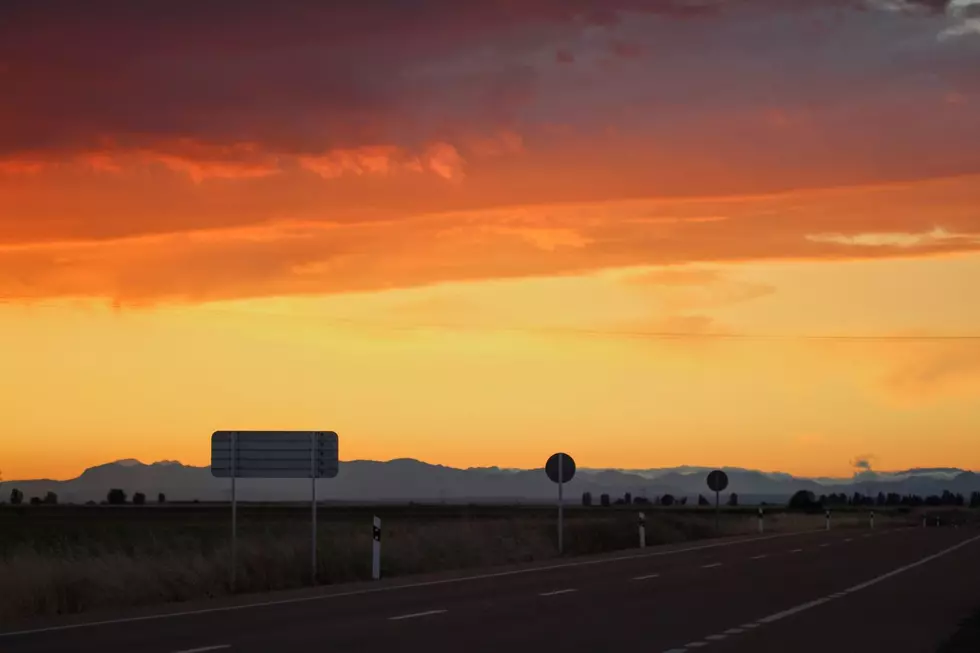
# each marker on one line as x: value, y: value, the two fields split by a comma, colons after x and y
x: 647, y: 577
x: 415, y: 615
x: 874, y: 581
x: 393, y: 588
x: 830, y: 597
x: 557, y: 592
x: 202, y: 649
x: 760, y: 556
x: 711, y: 566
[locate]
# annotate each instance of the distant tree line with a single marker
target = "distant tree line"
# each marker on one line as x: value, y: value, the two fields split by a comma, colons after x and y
x: 115, y: 497
x: 665, y: 500
x: 804, y: 499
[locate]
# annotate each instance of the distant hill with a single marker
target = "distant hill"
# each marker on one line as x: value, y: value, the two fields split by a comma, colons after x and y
x: 412, y: 480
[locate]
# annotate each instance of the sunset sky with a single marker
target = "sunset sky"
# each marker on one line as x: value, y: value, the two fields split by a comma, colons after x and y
x: 646, y: 232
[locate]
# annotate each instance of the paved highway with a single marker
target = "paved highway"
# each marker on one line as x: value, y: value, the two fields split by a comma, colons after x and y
x: 883, y: 590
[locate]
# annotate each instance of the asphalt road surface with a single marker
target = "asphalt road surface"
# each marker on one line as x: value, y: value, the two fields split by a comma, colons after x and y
x: 855, y: 590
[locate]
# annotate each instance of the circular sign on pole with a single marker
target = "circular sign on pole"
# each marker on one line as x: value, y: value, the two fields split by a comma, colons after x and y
x: 717, y: 480
x: 567, y: 467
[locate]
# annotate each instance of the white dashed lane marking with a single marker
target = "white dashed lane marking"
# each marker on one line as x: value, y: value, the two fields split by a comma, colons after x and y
x: 557, y: 592
x: 416, y: 615
x: 760, y: 556
x: 712, y: 565
x: 647, y: 577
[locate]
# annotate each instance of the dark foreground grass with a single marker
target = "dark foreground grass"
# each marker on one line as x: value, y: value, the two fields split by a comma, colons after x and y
x: 70, y: 560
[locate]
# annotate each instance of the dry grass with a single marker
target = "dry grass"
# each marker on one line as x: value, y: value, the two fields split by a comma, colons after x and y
x: 79, y: 567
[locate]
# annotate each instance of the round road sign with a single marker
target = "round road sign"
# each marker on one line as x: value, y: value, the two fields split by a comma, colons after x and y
x: 567, y: 467
x: 717, y: 480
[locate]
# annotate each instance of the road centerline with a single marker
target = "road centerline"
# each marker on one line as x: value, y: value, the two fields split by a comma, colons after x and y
x: 557, y: 592
x: 416, y: 615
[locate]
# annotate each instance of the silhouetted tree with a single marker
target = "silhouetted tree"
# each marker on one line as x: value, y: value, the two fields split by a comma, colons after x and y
x: 35, y: 501
x: 586, y: 498
x: 682, y: 501
x: 139, y: 499
x: 116, y: 497
x: 974, y: 500
x: 16, y: 497
x: 628, y: 499
x: 702, y: 501
x: 162, y: 498
x: 960, y: 499
x: 51, y: 498
x: 880, y: 499
x: 803, y: 500
x: 667, y: 500
x: 641, y: 501
x: 733, y: 499
x: 604, y: 500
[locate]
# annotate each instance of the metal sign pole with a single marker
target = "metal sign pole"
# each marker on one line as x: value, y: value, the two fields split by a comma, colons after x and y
x: 313, y: 493
x: 234, y: 511
x: 717, y: 512
x: 561, y: 525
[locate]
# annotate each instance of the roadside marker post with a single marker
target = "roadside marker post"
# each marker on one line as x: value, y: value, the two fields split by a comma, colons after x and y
x: 376, y: 550
x: 643, y: 531
x: 828, y: 519
x: 560, y: 468
x: 872, y: 520
x: 762, y: 527
x: 274, y: 454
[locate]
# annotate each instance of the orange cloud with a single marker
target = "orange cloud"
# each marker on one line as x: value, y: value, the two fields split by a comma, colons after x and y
x: 303, y: 256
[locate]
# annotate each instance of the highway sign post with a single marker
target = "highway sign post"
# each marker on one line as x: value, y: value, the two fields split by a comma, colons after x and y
x: 717, y: 481
x: 560, y: 468
x: 273, y: 454
x: 643, y: 531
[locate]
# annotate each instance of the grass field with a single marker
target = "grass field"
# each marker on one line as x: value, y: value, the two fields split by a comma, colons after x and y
x: 70, y: 559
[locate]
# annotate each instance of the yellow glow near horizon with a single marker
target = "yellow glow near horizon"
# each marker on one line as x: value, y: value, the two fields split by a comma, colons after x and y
x: 502, y: 373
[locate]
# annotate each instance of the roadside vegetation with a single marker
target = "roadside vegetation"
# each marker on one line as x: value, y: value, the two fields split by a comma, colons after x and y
x: 70, y: 559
